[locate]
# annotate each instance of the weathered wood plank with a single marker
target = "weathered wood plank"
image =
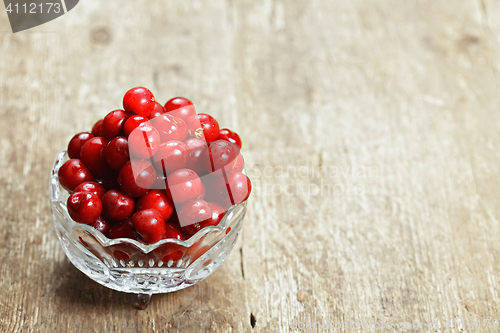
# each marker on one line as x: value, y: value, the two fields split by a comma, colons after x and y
x: 370, y: 133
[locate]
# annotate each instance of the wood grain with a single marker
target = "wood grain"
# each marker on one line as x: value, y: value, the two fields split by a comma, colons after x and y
x: 371, y: 135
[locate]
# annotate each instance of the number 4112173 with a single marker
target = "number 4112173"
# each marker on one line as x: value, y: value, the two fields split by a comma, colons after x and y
x: 33, y: 8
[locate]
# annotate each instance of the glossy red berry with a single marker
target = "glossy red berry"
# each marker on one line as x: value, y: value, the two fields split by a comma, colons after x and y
x: 158, y: 110
x: 117, y: 205
x: 221, y: 154
x: 173, y: 231
x: 171, y: 156
x: 137, y: 177
x: 144, y: 142
x: 133, y: 122
x: 140, y: 101
x: 109, y: 180
x: 170, y: 251
x: 93, y: 187
x: 76, y: 143
x: 159, y: 201
x: 170, y: 128
x: 84, y: 207
x: 240, y: 164
x: 210, y: 181
x: 160, y: 182
x: 101, y: 225
x: 72, y: 173
x: 180, y: 107
x: 192, y: 212
x: 196, y: 160
x: 217, y: 215
x: 149, y: 224
x: 203, y: 124
x: 174, y: 219
x: 123, y: 229
x: 92, y: 154
x: 116, y: 153
x: 234, y: 191
x: 112, y: 125
x: 97, y: 128
x: 198, y: 251
x: 183, y: 185
x: 203, y: 192
x: 233, y: 137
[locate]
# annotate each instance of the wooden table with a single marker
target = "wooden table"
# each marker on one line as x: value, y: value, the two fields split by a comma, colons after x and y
x: 371, y: 133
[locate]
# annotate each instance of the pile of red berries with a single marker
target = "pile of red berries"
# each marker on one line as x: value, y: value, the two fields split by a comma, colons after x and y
x: 151, y: 172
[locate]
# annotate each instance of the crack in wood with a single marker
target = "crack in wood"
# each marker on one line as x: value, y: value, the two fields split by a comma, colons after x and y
x: 241, y: 258
x: 253, y: 320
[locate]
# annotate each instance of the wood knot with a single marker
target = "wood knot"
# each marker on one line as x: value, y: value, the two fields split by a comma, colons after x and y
x: 101, y: 35
x: 301, y: 297
x: 467, y: 41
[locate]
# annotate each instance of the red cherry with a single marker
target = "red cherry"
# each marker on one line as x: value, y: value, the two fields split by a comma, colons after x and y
x: 180, y: 107
x: 109, y: 180
x: 84, y: 207
x: 235, y: 191
x: 171, y: 251
x: 171, y: 156
x: 93, y: 187
x: 173, y: 231
x: 159, y: 201
x: 72, y: 173
x: 201, y: 251
x: 136, y: 177
x: 210, y: 182
x: 174, y: 219
x: 139, y: 101
x: 97, y: 128
x: 170, y: 128
x: 124, y: 229
x: 122, y: 255
x: 183, y: 185
x: 217, y: 215
x: 239, y: 165
x: 221, y: 154
x: 160, y: 182
x: 149, y: 225
x: 92, y: 154
x: 113, y: 123
x: 197, y: 250
x: 203, y: 192
x: 204, y: 123
x: 192, y: 212
x: 144, y: 142
x: 117, y: 205
x: 116, y: 153
x: 101, y: 225
x: 158, y: 110
x: 233, y: 137
x: 76, y: 143
x: 133, y: 122
x: 196, y: 160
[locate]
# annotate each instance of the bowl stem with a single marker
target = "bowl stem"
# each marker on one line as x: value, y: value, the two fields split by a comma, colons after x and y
x: 143, y: 301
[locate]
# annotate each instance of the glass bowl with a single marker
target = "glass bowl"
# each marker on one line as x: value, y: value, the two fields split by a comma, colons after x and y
x: 129, y: 266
